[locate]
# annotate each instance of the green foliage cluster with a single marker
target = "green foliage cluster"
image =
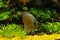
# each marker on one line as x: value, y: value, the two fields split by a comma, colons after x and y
x: 2, y: 3
x: 17, y: 15
x: 7, y: 12
x: 43, y: 15
x: 10, y: 30
x: 51, y: 27
x: 5, y: 15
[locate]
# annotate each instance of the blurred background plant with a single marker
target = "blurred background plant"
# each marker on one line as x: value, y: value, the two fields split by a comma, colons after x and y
x: 43, y: 15
x: 10, y: 30
x: 48, y: 27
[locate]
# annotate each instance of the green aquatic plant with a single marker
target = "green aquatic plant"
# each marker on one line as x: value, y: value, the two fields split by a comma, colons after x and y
x: 51, y: 27
x: 5, y: 14
x: 43, y: 15
x: 33, y: 11
x: 40, y: 14
x: 17, y: 15
x: 10, y: 30
x: 25, y: 8
x: 54, y: 13
x: 2, y: 4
